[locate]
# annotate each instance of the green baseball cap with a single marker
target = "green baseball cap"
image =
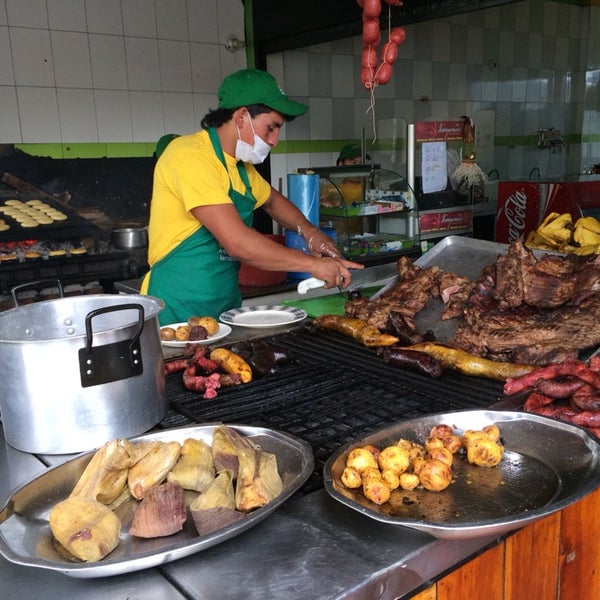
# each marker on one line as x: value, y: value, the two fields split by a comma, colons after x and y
x: 350, y: 151
x: 253, y: 86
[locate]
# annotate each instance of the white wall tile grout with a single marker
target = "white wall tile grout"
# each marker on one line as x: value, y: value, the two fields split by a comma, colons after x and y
x: 130, y: 70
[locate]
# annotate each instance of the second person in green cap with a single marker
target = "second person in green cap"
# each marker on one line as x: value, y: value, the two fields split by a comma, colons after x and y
x: 205, y: 192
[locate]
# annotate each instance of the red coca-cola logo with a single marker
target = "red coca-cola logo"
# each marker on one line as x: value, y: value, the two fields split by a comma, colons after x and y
x: 515, y: 211
x: 518, y: 211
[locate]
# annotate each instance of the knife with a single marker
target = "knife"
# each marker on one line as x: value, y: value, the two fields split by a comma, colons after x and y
x: 360, y: 278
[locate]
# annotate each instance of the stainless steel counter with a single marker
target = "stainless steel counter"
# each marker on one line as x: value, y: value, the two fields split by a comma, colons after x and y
x: 312, y: 547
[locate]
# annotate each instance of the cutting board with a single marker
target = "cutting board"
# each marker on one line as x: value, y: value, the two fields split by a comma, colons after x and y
x: 332, y: 304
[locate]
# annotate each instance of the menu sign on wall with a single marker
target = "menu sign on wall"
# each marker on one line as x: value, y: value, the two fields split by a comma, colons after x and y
x: 439, y: 131
x: 445, y: 220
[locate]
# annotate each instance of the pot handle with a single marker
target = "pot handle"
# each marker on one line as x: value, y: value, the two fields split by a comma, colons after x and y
x: 36, y: 284
x: 111, y: 362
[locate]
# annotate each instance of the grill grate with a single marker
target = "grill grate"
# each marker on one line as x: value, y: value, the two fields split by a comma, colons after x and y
x: 334, y: 391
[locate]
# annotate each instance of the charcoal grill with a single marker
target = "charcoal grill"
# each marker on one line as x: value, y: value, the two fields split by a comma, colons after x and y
x: 334, y: 391
x: 102, y: 263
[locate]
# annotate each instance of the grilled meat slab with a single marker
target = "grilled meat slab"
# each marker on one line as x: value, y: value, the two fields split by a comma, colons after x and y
x: 521, y: 309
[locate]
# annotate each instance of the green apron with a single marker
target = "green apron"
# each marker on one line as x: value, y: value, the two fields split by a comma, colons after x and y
x: 198, y: 277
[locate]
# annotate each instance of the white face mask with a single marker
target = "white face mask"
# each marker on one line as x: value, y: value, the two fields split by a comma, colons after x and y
x: 253, y: 154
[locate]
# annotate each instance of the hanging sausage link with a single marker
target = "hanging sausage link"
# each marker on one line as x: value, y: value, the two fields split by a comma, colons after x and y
x: 371, y: 73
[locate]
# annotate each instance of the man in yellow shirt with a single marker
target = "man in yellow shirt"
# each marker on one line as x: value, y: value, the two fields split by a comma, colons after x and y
x: 351, y: 189
x: 205, y: 191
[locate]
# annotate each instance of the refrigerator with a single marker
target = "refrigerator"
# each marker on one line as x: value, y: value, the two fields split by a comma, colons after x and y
x: 522, y: 205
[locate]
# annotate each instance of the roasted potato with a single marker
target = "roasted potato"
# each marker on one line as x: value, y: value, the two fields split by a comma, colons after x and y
x: 441, y: 431
x: 394, y: 458
x: 351, y: 478
x: 432, y: 443
x: 442, y: 454
x: 434, y: 475
x: 408, y: 465
x: 376, y: 490
x: 182, y: 333
x: 209, y: 323
x: 484, y: 452
x: 232, y: 363
x: 167, y: 334
x: 409, y: 481
x: 374, y: 451
x: 492, y: 431
x: 391, y: 478
x: 360, y: 459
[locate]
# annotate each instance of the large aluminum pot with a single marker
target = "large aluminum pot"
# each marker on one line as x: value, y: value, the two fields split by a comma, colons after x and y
x: 80, y: 371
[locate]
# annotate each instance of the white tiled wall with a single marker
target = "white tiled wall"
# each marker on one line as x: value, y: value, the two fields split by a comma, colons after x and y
x: 131, y: 70
x: 535, y: 63
x: 112, y: 70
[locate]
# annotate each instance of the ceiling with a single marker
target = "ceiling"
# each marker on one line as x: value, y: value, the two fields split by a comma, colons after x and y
x: 287, y: 24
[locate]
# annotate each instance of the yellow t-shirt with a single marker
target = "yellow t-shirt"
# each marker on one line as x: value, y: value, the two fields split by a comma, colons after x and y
x: 345, y: 193
x: 189, y: 174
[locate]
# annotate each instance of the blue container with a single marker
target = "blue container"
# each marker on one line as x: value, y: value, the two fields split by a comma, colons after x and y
x: 303, y: 191
x: 295, y: 241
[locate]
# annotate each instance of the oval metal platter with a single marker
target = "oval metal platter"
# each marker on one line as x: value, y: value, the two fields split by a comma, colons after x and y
x: 547, y: 465
x: 25, y: 536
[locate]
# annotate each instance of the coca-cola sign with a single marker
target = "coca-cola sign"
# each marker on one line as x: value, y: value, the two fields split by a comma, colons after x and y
x: 518, y: 210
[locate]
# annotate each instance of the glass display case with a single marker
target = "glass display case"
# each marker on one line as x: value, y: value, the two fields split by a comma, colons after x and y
x: 360, y: 202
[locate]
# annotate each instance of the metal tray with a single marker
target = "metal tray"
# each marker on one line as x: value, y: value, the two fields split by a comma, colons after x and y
x: 547, y: 465
x: 462, y: 255
x: 25, y: 536
x: 455, y: 254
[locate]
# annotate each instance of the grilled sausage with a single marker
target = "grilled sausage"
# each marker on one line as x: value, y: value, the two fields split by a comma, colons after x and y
x: 412, y: 360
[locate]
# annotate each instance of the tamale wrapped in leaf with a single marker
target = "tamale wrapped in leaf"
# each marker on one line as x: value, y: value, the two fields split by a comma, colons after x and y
x: 120, y: 499
x: 161, y: 512
x: 86, y: 528
x: 152, y: 469
x: 224, y: 453
x: 194, y: 469
x: 258, y: 480
x: 105, y: 476
x: 215, y: 507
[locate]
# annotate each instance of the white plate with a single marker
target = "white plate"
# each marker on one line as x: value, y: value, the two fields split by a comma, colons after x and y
x: 223, y: 331
x: 263, y: 316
